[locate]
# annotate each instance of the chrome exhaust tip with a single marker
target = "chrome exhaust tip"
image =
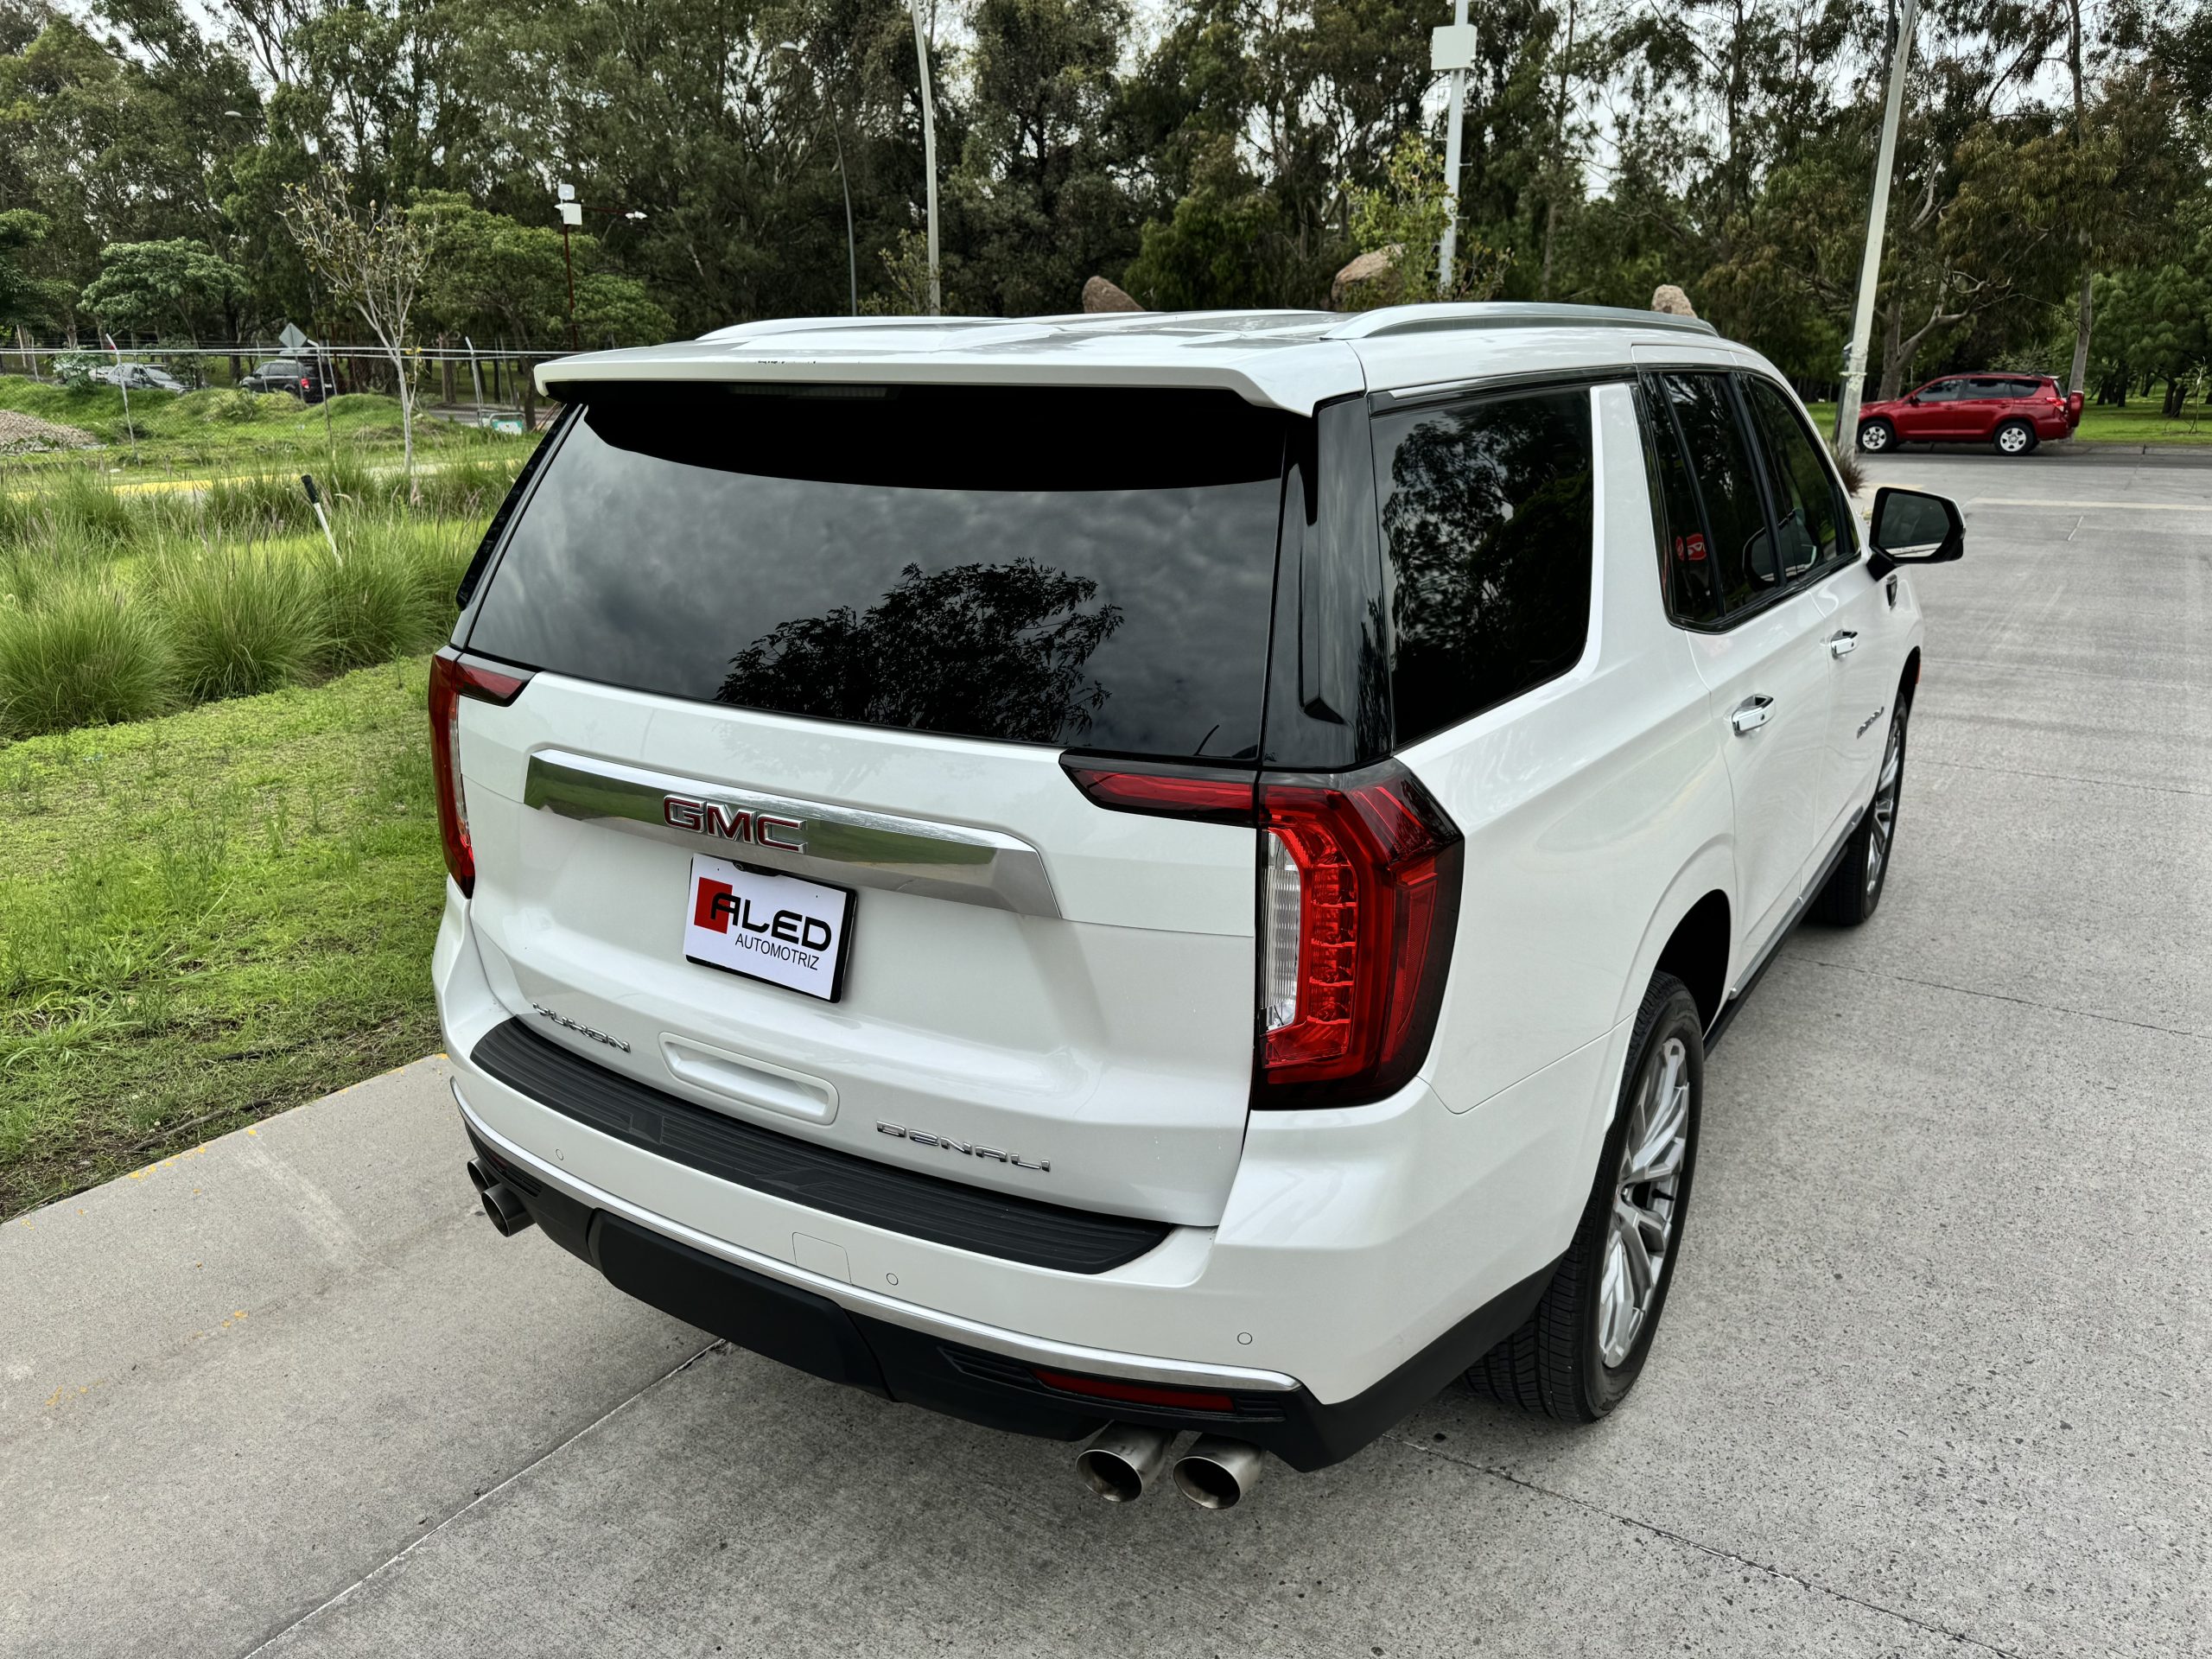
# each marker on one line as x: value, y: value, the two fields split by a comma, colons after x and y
x: 1216, y: 1473
x: 508, y: 1213
x: 1123, y: 1460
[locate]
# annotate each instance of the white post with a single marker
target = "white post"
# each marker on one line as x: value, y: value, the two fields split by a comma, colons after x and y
x: 1870, y: 266
x: 123, y: 383
x: 929, y: 151
x: 1451, y: 49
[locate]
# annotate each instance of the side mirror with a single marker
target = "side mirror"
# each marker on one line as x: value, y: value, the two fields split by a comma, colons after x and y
x: 1914, y: 527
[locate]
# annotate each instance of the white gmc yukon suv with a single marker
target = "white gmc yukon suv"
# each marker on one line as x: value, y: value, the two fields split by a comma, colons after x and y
x: 1127, y: 875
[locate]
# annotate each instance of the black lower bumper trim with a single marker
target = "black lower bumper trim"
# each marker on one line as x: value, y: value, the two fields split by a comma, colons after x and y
x: 883, y: 1195
x: 818, y: 1336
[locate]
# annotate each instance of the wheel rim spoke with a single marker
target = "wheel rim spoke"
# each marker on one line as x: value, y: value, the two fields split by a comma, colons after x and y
x: 1640, y: 1230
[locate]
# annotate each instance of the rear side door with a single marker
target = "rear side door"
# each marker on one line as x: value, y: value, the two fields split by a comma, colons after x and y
x: 1814, y: 517
x: 1754, y: 633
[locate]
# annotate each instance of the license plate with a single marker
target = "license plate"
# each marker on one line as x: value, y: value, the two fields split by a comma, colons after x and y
x: 779, y: 928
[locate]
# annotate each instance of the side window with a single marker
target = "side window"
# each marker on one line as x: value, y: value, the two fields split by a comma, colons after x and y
x: 1489, y: 537
x: 1810, y: 524
x: 1745, y: 568
x: 1688, y: 570
x: 1943, y: 391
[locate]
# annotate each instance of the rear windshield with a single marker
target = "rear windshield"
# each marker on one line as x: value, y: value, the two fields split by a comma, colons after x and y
x: 1090, y: 568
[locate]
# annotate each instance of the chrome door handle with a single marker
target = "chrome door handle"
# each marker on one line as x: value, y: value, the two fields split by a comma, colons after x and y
x: 1752, y: 714
x: 1843, y: 644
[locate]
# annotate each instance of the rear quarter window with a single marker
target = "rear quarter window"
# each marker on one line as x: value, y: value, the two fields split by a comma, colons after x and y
x: 1090, y: 568
x: 1488, y: 527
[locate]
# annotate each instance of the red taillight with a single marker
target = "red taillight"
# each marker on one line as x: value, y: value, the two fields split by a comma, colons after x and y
x: 1165, y: 791
x: 304, y: 383
x: 1359, y: 896
x: 454, y: 676
x: 1136, y: 1394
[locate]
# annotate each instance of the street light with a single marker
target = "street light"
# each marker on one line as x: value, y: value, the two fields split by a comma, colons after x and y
x: 929, y: 151
x: 836, y: 137
x: 1870, y: 265
x: 1451, y: 49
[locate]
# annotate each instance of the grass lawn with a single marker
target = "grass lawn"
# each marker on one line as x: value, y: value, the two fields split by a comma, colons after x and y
x: 2140, y: 421
x: 221, y: 430
x: 208, y: 918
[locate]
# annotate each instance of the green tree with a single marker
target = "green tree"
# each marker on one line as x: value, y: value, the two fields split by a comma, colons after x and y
x: 177, y: 287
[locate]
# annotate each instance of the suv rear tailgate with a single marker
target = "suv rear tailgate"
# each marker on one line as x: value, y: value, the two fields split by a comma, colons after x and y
x: 1111, y: 1041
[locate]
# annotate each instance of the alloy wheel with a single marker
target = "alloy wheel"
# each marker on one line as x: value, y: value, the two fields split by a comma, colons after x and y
x: 2012, y: 441
x: 1874, y: 438
x: 1886, y: 808
x: 1647, y: 1192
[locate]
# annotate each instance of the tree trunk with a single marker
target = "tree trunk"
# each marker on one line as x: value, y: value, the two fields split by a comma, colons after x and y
x: 1893, y: 370
x: 1559, y: 143
x: 445, y: 369
x: 2177, y: 394
x: 528, y: 387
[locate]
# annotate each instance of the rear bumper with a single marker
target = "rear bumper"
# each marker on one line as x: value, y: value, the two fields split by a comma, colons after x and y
x: 947, y: 1369
x: 1363, y: 1257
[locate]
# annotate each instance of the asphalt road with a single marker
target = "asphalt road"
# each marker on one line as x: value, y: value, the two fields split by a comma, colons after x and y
x: 1934, y: 1378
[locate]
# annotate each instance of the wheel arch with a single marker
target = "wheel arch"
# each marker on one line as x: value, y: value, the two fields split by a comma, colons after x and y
x: 1692, y: 927
x: 1909, y: 681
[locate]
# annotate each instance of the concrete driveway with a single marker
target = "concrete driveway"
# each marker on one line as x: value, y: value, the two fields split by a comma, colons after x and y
x: 1934, y: 1378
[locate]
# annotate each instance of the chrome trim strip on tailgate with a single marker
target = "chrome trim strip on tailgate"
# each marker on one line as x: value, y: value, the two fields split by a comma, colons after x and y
x: 1036, y: 1350
x: 835, y: 843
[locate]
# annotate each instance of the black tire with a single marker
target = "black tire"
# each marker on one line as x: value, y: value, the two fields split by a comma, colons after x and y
x: 1877, y: 436
x: 1854, y: 887
x: 2014, y: 438
x: 1556, y: 1362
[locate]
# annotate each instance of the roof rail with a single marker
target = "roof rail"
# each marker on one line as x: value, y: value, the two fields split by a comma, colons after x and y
x: 1508, y: 314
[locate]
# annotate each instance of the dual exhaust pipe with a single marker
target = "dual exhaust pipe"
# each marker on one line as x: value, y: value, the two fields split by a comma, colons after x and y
x: 1215, y: 1473
x: 501, y: 1202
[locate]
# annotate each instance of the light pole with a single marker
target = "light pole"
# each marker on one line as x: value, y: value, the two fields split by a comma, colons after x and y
x: 929, y: 151
x: 572, y: 214
x: 836, y: 137
x: 1451, y: 49
x: 1877, y: 213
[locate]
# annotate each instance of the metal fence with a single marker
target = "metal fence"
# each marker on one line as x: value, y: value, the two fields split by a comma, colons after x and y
x: 462, y: 372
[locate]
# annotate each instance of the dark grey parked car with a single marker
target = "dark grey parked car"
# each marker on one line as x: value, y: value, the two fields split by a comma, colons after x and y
x: 301, y: 377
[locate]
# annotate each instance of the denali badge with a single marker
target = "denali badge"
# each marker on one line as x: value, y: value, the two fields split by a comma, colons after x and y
x: 1042, y: 1165
x: 1871, y: 718
x: 567, y: 1024
x: 732, y: 823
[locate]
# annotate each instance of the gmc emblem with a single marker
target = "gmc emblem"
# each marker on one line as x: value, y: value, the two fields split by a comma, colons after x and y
x: 732, y: 823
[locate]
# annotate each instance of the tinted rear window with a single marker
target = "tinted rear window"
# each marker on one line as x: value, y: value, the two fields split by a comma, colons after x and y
x: 1090, y: 568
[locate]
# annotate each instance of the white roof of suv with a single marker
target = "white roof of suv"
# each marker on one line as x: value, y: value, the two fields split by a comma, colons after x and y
x: 1286, y: 359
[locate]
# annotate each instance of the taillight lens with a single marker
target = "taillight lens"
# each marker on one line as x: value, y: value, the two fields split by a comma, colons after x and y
x: 1358, y: 901
x: 454, y: 676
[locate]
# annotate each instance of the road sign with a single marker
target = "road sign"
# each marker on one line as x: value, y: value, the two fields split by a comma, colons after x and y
x: 291, y: 340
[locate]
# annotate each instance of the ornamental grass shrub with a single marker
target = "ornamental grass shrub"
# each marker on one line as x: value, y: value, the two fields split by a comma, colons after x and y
x: 89, y: 653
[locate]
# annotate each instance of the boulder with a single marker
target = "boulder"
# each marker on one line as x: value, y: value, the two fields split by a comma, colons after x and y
x: 1356, y: 286
x: 1099, y: 294
x: 1671, y: 300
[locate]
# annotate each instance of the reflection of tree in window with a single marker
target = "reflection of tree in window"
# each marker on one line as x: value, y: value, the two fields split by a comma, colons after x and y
x: 983, y: 650
x: 1488, y: 523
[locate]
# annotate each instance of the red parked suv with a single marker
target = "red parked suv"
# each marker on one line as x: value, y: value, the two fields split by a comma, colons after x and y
x: 2013, y: 412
